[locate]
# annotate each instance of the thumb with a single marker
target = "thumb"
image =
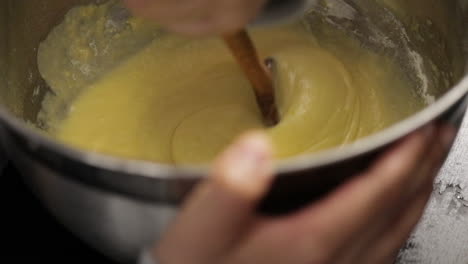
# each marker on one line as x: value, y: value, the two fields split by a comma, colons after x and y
x: 221, y: 208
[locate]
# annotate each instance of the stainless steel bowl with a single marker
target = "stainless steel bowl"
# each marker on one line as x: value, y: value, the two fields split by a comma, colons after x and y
x: 119, y: 206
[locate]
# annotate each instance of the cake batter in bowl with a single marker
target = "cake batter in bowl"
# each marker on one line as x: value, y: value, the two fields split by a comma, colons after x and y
x: 140, y: 107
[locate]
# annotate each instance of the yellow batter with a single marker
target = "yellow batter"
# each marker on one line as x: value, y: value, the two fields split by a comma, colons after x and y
x: 181, y: 101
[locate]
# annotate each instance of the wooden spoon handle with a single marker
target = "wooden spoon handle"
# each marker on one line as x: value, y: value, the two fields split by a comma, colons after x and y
x: 245, y: 53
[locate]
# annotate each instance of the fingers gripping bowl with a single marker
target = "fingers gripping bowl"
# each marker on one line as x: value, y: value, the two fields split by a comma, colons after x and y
x: 120, y: 205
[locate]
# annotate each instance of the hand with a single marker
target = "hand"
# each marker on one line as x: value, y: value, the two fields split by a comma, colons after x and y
x: 199, y: 17
x: 366, y: 220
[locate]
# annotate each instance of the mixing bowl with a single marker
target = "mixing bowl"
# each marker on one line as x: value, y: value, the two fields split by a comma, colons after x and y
x: 119, y: 206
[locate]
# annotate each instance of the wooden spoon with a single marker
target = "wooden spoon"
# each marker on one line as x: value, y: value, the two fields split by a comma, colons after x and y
x: 245, y: 53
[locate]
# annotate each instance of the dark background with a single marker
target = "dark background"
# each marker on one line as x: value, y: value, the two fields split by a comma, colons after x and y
x: 30, y: 234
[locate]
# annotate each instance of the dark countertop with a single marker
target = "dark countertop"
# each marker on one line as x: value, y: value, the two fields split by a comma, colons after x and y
x: 442, y: 235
